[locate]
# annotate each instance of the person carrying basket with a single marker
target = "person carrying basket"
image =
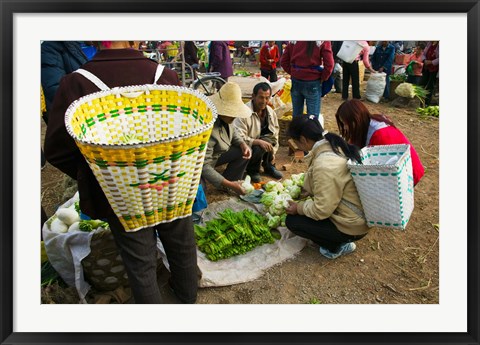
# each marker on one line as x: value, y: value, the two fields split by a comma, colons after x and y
x: 115, y: 67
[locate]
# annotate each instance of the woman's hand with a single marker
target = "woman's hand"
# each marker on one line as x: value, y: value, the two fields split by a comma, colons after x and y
x: 292, y: 208
x: 246, y: 151
x: 304, y: 194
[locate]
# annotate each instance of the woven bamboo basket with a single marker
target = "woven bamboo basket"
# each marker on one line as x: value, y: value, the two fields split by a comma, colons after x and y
x: 103, y: 268
x: 385, y: 185
x: 283, y: 124
x: 145, y: 145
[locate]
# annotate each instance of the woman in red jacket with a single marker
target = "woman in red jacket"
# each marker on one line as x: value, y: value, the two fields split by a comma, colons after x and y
x: 361, y: 128
x: 269, y: 56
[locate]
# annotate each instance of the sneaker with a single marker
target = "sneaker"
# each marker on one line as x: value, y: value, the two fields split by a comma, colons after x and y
x: 273, y: 172
x: 345, y: 248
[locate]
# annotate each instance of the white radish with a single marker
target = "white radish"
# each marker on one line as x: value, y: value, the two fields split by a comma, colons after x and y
x: 67, y: 215
x: 58, y: 226
x: 74, y: 227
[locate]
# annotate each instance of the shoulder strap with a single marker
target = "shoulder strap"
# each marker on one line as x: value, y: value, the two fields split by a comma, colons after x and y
x: 93, y: 78
x: 347, y: 203
x: 158, y: 73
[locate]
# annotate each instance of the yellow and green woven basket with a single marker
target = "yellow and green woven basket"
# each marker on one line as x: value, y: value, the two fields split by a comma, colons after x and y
x: 145, y: 145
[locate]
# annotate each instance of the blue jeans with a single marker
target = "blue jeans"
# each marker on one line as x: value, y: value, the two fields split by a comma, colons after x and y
x: 309, y: 92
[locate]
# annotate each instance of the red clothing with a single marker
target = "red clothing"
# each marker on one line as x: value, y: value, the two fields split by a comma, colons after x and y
x: 417, y: 67
x: 391, y: 135
x: 431, y: 53
x: 296, y: 62
x: 267, y: 53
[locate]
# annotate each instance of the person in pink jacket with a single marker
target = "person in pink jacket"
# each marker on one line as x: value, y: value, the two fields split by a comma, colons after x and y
x: 361, y: 128
x: 351, y: 71
x: 416, y: 60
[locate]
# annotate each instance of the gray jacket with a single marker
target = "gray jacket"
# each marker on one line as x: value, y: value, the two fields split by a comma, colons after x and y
x: 220, y: 142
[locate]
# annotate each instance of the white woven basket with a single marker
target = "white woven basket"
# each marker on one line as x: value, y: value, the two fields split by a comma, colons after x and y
x: 385, y: 187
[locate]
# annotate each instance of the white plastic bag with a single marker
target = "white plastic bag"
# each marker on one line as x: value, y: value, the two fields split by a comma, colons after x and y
x: 375, y: 87
x: 349, y: 51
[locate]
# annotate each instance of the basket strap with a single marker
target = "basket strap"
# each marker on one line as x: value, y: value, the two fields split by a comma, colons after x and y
x: 93, y: 78
x: 350, y: 205
x: 158, y: 73
x: 354, y: 208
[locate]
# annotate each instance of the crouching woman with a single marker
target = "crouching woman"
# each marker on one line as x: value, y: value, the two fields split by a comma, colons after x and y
x: 331, y: 215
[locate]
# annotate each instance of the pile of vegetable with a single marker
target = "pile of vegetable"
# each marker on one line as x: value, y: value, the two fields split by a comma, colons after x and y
x: 398, y: 77
x: 241, y: 73
x: 408, y: 90
x: 68, y: 220
x: 277, y: 196
x: 233, y: 233
x: 432, y: 110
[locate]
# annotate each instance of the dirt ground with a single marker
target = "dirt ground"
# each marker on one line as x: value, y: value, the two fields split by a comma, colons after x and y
x: 388, y: 267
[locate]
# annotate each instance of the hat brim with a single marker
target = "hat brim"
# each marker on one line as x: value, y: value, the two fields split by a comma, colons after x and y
x: 230, y: 109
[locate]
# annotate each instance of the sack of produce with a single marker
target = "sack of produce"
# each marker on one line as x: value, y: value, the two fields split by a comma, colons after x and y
x: 375, y: 87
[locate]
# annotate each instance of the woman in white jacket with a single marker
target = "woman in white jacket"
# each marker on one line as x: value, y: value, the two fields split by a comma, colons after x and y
x: 331, y: 215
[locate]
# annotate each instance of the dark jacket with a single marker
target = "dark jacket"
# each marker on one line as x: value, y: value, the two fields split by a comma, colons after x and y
x: 220, y: 60
x: 383, y: 58
x: 59, y: 58
x: 115, y: 67
x: 190, y: 51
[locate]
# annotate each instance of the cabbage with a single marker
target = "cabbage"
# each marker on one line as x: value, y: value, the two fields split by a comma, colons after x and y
x: 273, y: 186
x: 287, y: 183
x: 294, y: 191
x: 276, y: 209
x: 247, y: 186
x: 268, y: 198
x: 405, y: 90
x: 282, y: 219
x: 273, y: 221
x: 298, y: 179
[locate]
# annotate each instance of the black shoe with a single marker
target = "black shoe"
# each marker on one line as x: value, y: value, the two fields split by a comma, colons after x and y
x: 273, y: 172
x: 255, y: 177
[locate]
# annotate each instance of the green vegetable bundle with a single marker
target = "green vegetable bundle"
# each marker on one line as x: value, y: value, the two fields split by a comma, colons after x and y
x: 433, y: 110
x: 398, y: 77
x: 241, y: 73
x: 233, y: 233
x: 420, y: 93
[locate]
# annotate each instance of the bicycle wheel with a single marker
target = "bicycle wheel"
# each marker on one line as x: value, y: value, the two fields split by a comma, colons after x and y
x: 208, y: 85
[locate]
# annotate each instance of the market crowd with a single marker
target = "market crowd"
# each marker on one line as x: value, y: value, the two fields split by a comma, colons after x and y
x: 244, y: 139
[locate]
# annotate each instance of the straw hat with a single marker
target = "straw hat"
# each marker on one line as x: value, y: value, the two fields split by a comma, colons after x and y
x: 228, y: 101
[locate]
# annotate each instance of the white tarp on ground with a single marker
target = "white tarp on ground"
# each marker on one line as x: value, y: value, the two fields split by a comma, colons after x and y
x: 251, y: 265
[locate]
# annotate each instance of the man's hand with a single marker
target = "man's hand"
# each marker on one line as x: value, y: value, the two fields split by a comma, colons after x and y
x: 246, y: 151
x: 236, y: 186
x: 265, y: 145
x: 292, y: 208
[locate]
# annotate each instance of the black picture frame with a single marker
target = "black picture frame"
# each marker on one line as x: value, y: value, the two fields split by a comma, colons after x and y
x: 9, y: 8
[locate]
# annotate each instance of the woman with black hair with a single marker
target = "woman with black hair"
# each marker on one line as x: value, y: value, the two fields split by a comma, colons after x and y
x: 331, y: 214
